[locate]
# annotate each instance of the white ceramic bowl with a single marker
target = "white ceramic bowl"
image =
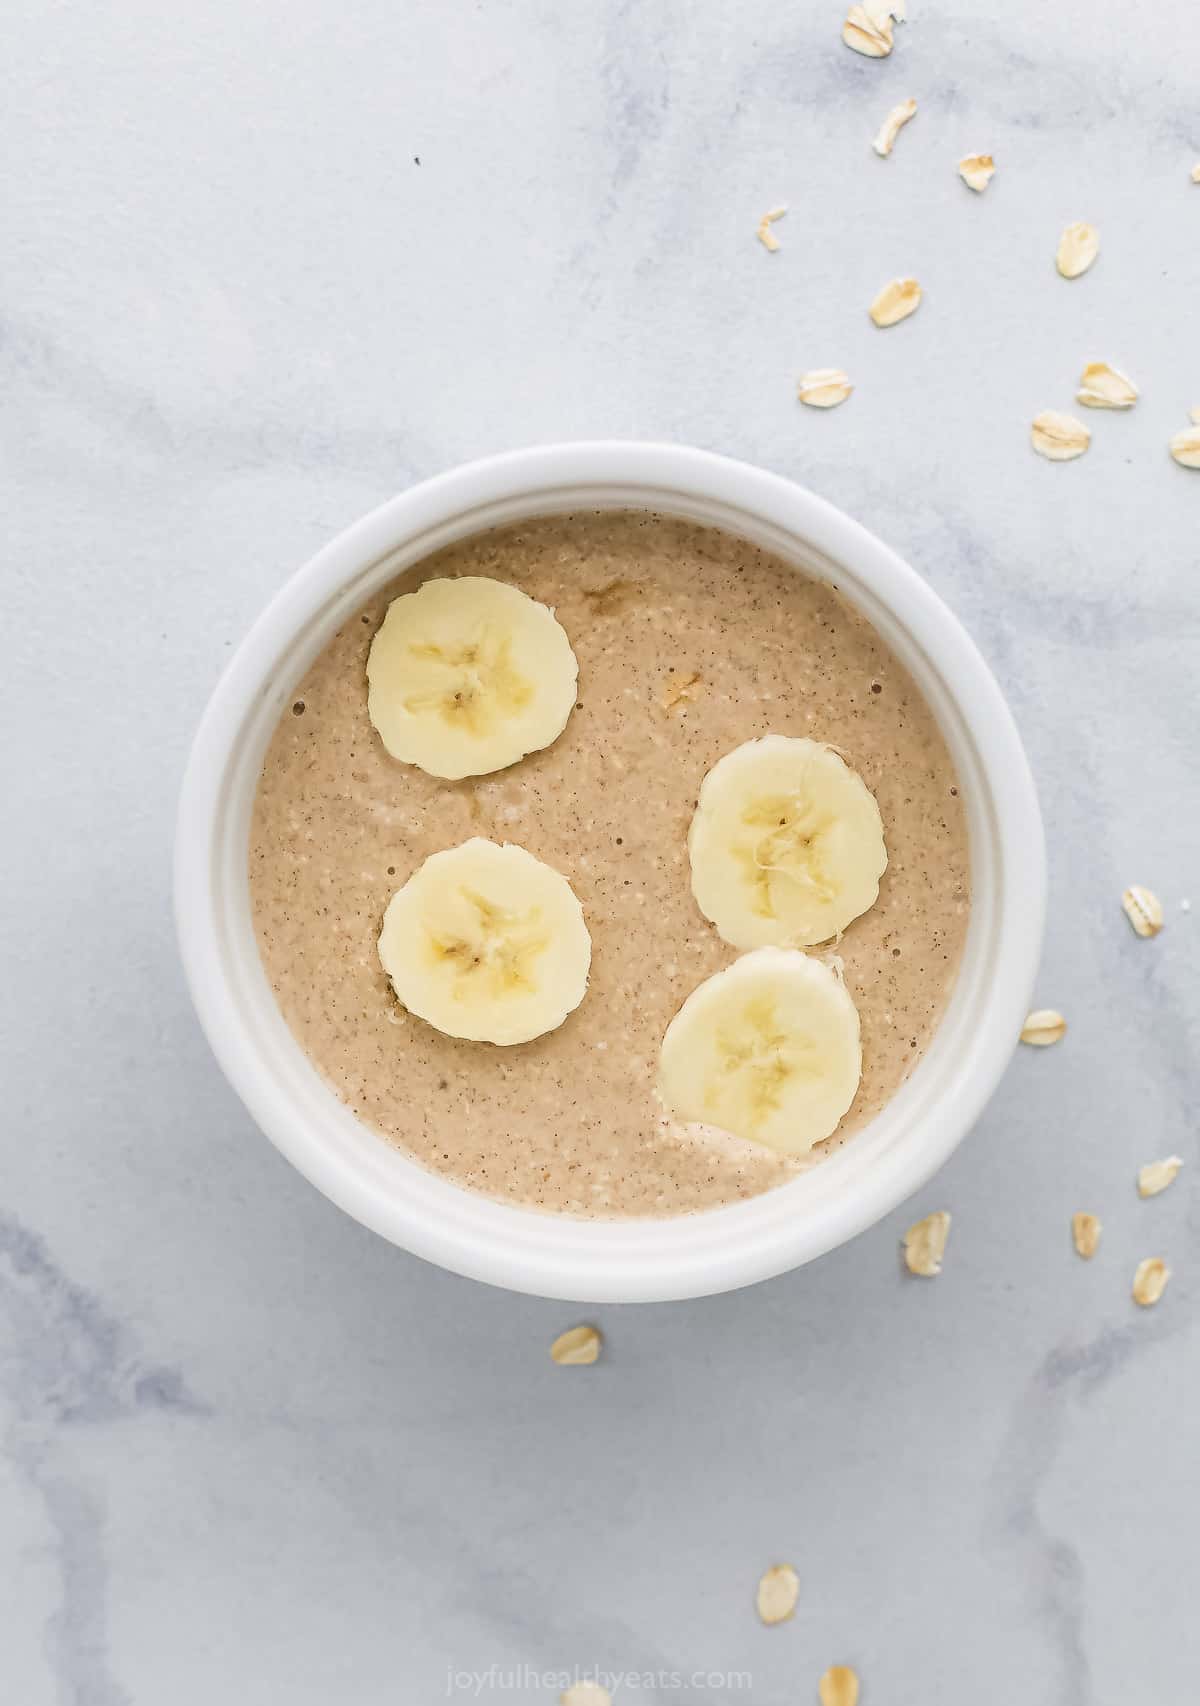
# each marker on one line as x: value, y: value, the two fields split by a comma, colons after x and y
x: 553, y: 1255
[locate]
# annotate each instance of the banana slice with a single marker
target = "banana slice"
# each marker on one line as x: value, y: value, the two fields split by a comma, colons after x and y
x: 467, y: 676
x: 768, y: 1050
x: 786, y: 844
x: 486, y: 942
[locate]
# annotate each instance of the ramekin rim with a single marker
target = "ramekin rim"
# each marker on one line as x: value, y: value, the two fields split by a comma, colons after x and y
x: 592, y: 1260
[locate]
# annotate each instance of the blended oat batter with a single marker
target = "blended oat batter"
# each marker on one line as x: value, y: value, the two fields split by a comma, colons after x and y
x: 689, y: 642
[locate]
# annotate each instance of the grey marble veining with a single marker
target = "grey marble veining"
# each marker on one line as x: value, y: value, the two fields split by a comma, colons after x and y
x: 249, y: 1453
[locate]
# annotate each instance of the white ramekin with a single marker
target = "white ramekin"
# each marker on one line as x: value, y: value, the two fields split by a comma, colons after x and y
x: 553, y: 1255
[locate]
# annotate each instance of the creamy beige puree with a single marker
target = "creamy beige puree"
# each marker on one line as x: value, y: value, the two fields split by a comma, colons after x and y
x: 689, y: 642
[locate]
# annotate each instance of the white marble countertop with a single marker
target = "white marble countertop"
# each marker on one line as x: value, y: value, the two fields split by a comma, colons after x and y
x: 264, y: 266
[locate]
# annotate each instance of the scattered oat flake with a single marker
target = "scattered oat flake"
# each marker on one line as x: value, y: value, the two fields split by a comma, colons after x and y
x: 838, y: 1686
x: 1043, y: 1027
x: 899, y: 298
x: 1155, y: 1176
x: 891, y: 127
x: 777, y: 1594
x: 1105, y: 387
x: 1059, y: 437
x: 680, y: 690
x: 976, y: 171
x: 766, y: 236
x: 1086, y: 1230
x: 1185, y: 447
x: 925, y: 1244
x: 1196, y: 173
x: 867, y: 34
x: 1143, y: 910
x: 824, y: 387
x: 577, y: 1346
x: 585, y: 1694
x: 1077, y: 249
x: 1150, y: 1281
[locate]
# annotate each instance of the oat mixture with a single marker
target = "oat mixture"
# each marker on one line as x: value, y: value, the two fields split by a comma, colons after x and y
x: 689, y: 642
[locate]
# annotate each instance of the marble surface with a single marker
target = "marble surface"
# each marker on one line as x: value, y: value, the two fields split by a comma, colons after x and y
x: 264, y: 266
